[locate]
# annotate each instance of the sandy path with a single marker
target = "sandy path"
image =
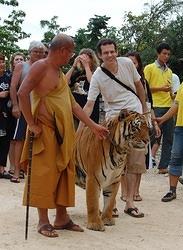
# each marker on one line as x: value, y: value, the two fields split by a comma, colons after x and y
x: 161, y: 228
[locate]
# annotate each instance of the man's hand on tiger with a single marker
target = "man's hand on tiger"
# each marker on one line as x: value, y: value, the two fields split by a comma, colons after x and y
x: 100, y: 131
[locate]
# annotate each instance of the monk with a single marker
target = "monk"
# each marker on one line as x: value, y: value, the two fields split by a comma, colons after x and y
x: 51, y: 121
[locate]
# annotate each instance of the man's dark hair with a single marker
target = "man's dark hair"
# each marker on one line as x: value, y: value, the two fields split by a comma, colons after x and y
x: 162, y: 46
x: 105, y: 41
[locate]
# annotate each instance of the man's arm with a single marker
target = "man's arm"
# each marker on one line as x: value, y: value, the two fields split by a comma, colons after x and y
x: 164, y: 88
x: 141, y: 94
x: 30, y: 82
x: 88, y: 108
x: 169, y: 114
x: 13, y: 89
x: 83, y: 115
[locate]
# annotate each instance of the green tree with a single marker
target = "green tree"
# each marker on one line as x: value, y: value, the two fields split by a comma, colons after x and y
x: 174, y: 37
x: 11, y: 29
x: 145, y: 31
x: 53, y: 28
x: 97, y: 28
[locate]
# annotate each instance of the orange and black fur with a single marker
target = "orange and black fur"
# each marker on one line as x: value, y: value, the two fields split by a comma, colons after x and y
x: 100, y: 163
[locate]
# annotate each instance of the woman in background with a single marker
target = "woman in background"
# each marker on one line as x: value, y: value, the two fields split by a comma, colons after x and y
x: 16, y: 58
x: 79, y: 77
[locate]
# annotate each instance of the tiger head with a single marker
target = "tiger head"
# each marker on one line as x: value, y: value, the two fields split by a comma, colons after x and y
x: 129, y: 126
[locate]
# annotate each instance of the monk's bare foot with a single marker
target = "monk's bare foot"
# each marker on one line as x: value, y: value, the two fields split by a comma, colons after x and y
x: 47, y: 230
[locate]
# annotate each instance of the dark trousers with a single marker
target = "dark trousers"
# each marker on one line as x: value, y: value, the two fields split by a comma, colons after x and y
x: 4, y: 149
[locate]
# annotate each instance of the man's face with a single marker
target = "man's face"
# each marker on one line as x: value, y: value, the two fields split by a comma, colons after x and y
x: 108, y: 54
x: 67, y: 53
x: 36, y: 54
x: 164, y: 56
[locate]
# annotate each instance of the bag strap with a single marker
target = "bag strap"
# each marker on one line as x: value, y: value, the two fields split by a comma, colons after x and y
x: 107, y: 72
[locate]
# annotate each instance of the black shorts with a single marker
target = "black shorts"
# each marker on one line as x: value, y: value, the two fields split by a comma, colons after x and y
x: 20, y: 129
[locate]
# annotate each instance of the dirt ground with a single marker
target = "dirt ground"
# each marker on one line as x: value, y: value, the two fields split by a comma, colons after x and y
x: 161, y: 228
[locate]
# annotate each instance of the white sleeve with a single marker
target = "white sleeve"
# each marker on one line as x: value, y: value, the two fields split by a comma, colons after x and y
x: 136, y: 76
x: 94, y: 90
x: 175, y: 83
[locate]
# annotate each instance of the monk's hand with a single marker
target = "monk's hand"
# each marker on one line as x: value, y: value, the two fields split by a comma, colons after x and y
x: 100, y: 131
x: 35, y: 129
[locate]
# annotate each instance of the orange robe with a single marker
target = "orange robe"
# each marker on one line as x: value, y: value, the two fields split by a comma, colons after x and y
x: 53, y: 169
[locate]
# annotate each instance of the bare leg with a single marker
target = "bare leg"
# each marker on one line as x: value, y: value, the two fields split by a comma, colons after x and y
x: 131, y: 184
x: 18, y: 152
x: 43, y: 216
x: 130, y: 207
x: 154, y: 149
x: 12, y: 155
x: 123, y: 187
x: 173, y: 180
x: 44, y: 227
x: 63, y: 221
x: 62, y: 217
x: 137, y: 196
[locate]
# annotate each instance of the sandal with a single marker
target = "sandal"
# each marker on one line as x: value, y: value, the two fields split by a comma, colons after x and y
x: 11, y: 172
x: 137, y: 197
x: 134, y: 212
x: 123, y: 198
x: 21, y: 174
x: 71, y: 226
x: 115, y: 213
x: 15, y: 179
x: 5, y: 175
x: 48, y: 231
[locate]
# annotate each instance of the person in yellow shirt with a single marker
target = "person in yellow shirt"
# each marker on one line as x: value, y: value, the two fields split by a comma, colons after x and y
x: 159, y: 78
x: 176, y: 162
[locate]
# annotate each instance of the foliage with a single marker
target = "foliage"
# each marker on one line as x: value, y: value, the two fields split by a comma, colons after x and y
x: 155, y: 24
x: 10, y: 29
x: 97, y: 28
x: 52, y: 29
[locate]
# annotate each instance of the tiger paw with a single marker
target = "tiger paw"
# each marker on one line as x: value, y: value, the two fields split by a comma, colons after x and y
x: 108, y: 221
x: 96, y: 226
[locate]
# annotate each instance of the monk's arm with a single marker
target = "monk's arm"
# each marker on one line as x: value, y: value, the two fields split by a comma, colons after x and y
x: 15, y: 80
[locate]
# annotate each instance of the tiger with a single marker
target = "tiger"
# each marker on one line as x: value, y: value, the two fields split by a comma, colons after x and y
x: 100, y: 163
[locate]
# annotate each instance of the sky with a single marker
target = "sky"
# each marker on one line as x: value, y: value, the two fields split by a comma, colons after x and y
x: 74, y: 13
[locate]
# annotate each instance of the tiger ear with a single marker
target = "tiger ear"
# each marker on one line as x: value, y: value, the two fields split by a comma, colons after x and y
x: 123, y: 114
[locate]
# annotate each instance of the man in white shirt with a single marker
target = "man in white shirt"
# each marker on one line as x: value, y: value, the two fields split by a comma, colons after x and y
x: 116, y: 98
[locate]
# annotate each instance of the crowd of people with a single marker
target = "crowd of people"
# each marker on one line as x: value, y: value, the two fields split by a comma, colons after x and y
x: 35, y: 92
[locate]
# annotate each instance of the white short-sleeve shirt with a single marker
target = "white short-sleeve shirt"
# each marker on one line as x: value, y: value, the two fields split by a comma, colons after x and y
x: 114, y: 95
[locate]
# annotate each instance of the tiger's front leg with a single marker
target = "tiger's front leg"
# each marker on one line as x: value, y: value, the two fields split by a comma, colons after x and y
x: 92, y: 198
x: 109, y: 194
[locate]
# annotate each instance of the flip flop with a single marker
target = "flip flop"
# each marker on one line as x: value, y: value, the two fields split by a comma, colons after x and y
x: 48, y: 231
x: 123, y: 198
x: 115, y: 213
x: 137, y: 197
x: 71, y: 226
x: 130, y: 211
x: 15, y: 179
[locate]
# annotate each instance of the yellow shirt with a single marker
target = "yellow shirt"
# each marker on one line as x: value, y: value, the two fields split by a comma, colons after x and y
x: 158, y: 77
x: 179, y: 100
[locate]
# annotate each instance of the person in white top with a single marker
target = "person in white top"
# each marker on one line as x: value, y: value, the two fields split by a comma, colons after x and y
x: 116, y: 98
x: 175, y: 83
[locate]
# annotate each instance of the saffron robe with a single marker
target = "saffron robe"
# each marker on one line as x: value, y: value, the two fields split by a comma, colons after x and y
x: 53, y: 168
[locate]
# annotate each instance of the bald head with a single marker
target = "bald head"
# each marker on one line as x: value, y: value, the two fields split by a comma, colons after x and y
x: 60, y: 41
